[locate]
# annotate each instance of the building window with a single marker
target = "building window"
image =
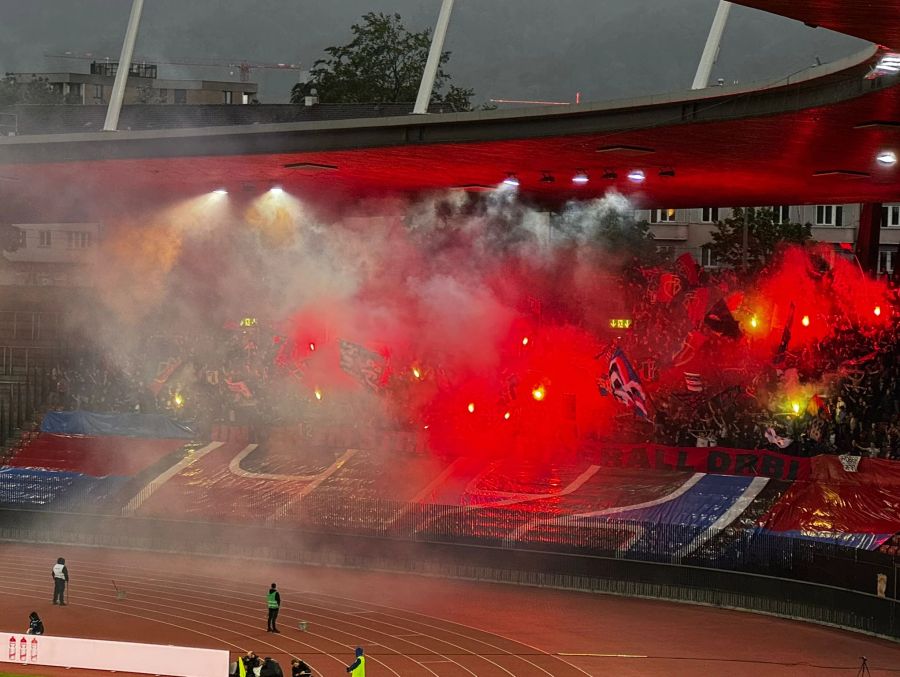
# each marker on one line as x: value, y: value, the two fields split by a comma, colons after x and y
x: 245, y: 98
x: 22, y: 238
x: 46, y: 238
x: 886, y: 262
x: 708, y: 259
x: 79, y: 239
x: 662, y: 215
x: 163, y: 95
x: 781, y: 213
x: 229, y: 96
x: 98, y: 92
x: 665, y: 250
x: 890, y: 216
x: 180, y: 95
x: 829, y: 215
x: 710, y: 215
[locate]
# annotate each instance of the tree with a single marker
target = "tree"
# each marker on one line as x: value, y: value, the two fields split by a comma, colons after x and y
x: 764, y: 233
x: 33, y: 91
x: 383, y: 63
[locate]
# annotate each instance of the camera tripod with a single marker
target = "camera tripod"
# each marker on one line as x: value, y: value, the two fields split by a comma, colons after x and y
x: 863, y: 668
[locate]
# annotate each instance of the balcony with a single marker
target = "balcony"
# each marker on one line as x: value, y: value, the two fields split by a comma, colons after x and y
x: 670, y: 231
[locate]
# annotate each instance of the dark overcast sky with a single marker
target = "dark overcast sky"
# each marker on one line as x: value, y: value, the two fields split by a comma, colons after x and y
x: 515, y: 49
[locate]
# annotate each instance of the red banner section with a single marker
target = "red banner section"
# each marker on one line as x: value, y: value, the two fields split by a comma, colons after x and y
x: 841, y: 502
x: 716, y: 460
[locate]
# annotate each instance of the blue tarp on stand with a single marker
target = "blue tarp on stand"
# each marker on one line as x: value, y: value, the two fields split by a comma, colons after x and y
x: 34, y: 488
x: 128, y: 425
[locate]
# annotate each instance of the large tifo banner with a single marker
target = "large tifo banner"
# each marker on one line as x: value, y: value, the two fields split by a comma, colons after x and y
x: 126, y: 425
x: 94, y: 654
x: 716, y: 460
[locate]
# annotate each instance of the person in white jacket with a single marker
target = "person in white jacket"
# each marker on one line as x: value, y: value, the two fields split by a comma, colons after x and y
x: 60, y: 576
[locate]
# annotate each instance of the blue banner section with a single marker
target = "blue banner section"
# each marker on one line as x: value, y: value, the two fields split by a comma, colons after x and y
x: 127, y: 425
x: 30, y: 488
x: 690, y: 512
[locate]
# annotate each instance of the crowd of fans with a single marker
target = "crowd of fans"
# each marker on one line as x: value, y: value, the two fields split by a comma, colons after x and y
x: 236, y: 375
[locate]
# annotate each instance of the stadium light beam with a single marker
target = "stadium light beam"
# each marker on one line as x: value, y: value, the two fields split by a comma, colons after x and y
x: 581, y: 178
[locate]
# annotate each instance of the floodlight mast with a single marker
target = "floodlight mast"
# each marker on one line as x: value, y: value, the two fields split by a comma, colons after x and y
x: 434, y: 58
x: 118, y: 91
x: 711, y: 49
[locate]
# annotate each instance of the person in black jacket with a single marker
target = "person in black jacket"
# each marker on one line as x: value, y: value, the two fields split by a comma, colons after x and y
x: 270, y: 668
x: 251, y: 660
x: 35, y: 624
x: 299, y: 668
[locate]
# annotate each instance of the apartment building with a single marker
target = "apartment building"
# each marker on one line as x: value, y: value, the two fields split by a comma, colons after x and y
x: 689, y: 230
x: 51, y: 255
x: 143, y: 86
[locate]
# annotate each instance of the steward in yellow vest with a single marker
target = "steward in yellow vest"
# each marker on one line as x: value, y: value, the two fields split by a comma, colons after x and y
x: 358, y: 667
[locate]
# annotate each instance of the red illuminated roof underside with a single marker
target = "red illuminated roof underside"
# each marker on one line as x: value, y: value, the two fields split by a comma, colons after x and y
x: 809, y: 141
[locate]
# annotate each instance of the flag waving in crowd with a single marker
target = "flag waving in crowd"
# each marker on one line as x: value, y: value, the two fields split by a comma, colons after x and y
x: 365, y: 366
x: 625, y: 384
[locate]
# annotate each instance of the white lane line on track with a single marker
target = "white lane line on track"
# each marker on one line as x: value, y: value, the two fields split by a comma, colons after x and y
x: 354, y: 604
x: 230, y: 598
x: 153, y: 485
x: 181, y: 602
x: 472, y: 628
x: 12, y: 592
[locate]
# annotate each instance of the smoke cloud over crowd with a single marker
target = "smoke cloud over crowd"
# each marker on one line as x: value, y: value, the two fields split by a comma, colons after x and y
x: 475, y: 322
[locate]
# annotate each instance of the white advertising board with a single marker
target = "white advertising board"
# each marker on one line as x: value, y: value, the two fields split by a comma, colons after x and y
x: 95, y: 654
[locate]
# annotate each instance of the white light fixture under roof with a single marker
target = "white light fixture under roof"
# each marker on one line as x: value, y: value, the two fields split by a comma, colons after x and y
x: 220, y: 191
x: 887, y: 158
x: 511, y: 181
x: 888, y: 64
x: 636, y: 176
x: 276, y: 189
x: 580, y: 177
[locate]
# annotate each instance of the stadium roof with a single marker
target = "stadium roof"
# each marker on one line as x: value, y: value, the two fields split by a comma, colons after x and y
x: 873, y: 20
x: 808, y: 138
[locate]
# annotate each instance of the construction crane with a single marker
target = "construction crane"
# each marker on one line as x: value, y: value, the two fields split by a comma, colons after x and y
x: 244, y: 68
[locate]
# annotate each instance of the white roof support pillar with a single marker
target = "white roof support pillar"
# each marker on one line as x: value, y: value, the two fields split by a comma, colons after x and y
x: 118, y: 90
x: 711, y: 49
x: 434, y: 58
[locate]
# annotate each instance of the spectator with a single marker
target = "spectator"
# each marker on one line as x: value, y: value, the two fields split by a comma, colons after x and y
x: 270, y: 668
x: 299, y: 668
x: 35, y: 624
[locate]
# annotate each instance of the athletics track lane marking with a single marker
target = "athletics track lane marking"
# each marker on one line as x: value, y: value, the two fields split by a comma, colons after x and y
x: 230, y: 599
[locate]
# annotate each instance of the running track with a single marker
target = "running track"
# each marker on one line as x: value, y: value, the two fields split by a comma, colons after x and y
x: 412, y: 626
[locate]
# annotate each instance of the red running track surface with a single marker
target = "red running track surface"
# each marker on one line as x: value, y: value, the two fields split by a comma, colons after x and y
x: 95, y: 456
x: 414, y: 626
